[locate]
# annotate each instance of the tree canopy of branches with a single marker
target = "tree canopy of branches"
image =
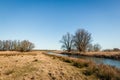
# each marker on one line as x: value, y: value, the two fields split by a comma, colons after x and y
x: 97, y: 47
x: 90, y: 47
x: 94, y: 47
x: 81, y: 39
x: 9, y: 45
x: 67, y: 41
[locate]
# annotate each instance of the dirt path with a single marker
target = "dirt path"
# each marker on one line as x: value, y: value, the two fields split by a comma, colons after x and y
x: 37, y: 67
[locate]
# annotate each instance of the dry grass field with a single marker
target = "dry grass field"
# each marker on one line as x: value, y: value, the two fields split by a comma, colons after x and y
x: 36, y: 66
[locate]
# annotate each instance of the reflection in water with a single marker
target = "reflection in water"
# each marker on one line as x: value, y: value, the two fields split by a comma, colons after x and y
x: 111, y: 62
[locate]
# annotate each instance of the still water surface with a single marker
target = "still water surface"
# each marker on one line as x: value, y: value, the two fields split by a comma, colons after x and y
x: 110, y: 62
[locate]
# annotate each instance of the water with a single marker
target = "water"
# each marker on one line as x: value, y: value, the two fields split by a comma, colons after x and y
x: 110, y: 62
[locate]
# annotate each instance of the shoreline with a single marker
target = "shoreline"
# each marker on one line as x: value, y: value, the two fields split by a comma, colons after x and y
x: 109, y: 55
x: 91, y: 68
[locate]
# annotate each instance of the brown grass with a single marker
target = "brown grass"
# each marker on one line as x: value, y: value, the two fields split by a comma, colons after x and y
x: 27, y: 66
x: 37, y: 66
x: 102, y: 72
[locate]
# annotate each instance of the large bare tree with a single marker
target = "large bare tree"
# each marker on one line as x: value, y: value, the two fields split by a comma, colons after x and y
x: 81, y: 39
x: 67, y: 41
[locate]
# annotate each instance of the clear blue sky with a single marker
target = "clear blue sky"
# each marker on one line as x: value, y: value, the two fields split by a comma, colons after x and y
x: 43, y: 22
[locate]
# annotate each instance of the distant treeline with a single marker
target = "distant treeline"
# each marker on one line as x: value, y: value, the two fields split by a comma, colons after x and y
x: 16, y: 45
x: 110, y: 50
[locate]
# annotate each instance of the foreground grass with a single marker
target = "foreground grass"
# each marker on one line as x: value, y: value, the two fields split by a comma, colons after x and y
x: 102, y: 72
x: 27, y: 66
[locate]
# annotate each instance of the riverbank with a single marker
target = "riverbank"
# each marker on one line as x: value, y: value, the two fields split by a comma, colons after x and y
x: 88, y: 68
x: 110, y: 55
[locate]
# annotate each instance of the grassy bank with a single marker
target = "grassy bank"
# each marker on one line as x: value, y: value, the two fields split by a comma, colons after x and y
x: 102, y: 72
x: 36, y: 66
x: 110, y: 55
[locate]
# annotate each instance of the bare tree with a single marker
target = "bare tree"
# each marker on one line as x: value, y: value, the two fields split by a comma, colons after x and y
x: 90, y: 47
x: 10, y: 44
x: 25, y: 45
x: 67, y: 41
x: 4, y: 45
x: 30, y: 46
x: 82, y: 38
x: 1, y: 45
x: 7, y: 45
x: 97, y: 47
x: 15, y: 46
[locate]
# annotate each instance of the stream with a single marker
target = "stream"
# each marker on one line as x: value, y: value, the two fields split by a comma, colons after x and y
x: 106, y: 61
